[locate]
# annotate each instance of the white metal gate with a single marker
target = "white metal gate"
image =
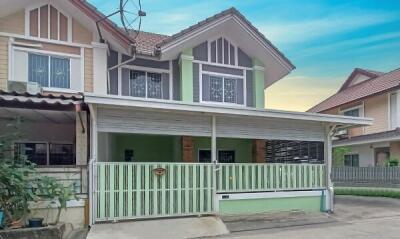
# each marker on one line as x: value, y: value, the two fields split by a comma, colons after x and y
x: 143, y: 190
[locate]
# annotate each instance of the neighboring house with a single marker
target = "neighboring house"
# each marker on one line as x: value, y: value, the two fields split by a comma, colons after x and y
x: 169, y: 125
x: 370, y: 94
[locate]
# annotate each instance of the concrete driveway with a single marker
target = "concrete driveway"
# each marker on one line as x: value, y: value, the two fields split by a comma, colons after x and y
x: 354, y: 217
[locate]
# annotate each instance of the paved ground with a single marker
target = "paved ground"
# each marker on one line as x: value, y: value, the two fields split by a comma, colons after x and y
x: 355, y: 217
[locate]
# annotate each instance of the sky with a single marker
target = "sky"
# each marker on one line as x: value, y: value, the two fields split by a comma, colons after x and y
x: 325, y: 40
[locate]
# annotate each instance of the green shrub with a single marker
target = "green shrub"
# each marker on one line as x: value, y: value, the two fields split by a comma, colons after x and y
x: 368, y: 192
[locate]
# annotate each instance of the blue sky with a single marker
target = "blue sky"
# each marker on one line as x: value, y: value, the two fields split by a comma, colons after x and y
x: 324, y: 39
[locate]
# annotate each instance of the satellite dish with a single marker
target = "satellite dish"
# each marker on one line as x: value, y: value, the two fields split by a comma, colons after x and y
x: 131, y: 14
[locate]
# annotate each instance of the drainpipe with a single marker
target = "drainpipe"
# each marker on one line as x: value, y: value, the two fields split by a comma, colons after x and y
x: 93, y: 159
x: 329, y: 132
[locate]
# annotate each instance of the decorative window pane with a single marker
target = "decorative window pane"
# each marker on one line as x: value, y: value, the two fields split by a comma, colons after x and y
x: 34, y: 152
x: 38, y: 69
x: 226, y: 156
x: 216, y: 89
x: 59, y: 68
x: 61, y: 154
x: 137, y: 84
x: 230, y: 90
x: 154, y: 86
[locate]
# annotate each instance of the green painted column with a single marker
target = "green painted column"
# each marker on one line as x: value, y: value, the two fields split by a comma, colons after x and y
x: 258, y: 79
x: 186, y: 65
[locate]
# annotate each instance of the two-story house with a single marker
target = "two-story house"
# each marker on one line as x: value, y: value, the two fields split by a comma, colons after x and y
x: 372, y: 94
x: 169, y: 125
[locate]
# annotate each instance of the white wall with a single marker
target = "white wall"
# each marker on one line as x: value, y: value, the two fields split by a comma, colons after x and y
x: 366, y: 153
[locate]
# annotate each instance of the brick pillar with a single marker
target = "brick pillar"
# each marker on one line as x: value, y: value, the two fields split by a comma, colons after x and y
x: 259, y: 151
x: 187, y: 149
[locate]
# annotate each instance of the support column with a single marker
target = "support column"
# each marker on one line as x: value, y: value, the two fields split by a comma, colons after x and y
x: 187, y: 149
x: 186, y: 75
x: 93, y: 159
x: 259, y: 85
x: 214, y: 158
x: 100, y: 68
x: 259, y: 148
x: 328, y: 166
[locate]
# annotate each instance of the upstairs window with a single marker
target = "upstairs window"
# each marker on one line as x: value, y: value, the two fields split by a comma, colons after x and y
x: 148, y: 85
x: 49, y: 71
x: 47, y: 22
x: 357, y: 111
x: 222, y: 89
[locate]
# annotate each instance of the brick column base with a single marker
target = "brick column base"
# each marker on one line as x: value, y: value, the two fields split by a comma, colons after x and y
x: 187, y: 149
x: 259, y: 151
x: 395, y: 150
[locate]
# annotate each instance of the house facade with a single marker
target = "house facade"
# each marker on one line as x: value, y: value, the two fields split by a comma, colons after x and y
x: 372, y: 94
x: 159, y: 125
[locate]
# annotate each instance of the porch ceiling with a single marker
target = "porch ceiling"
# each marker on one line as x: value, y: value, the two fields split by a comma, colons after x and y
x: 35, y: 115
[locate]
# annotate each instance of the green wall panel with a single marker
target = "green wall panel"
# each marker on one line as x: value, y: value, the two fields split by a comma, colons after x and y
x: 148, y: 148
x: 243, y: 147
x: 186, y: 75
x: 248, y: 206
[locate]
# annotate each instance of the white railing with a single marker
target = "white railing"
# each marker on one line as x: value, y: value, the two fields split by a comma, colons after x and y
x: 247, y: 177
x: 366, y: 174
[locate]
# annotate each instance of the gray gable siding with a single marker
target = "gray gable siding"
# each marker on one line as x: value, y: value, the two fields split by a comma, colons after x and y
x: 200, y: 52
x: 147, y: 63
x: 113, y: 80
x: 249, y: 88
x: 176, y: 81
x: 223, y: 70
x: 196, y: 82
x: 125, y: 81
x: 243, y: 59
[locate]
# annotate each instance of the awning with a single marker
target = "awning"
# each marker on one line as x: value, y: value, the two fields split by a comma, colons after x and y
x: 131, y: 115
x: 40, y: 101
x: 386, y: 136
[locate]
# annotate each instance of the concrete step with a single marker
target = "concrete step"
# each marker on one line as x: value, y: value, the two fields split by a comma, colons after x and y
x: 172, y: 228
x: 274, y: 220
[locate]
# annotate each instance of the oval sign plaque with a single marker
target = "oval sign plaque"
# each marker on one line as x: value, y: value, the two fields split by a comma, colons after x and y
x: 159, y: 171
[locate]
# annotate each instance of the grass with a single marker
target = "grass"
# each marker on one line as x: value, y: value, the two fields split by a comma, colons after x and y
x: 370, y: 192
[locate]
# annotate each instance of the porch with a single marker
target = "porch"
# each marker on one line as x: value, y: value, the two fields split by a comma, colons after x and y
x: 207, y: 160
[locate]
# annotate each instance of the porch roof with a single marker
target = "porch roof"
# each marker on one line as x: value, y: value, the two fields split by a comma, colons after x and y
x: 215, y: 109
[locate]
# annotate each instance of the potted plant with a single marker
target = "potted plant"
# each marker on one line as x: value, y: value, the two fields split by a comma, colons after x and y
x: 393, y: 162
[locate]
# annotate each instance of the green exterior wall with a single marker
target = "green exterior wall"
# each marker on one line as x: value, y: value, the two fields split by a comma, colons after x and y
x: 258, y: 79
x: 186, y: 75
x: 148, y: 148
x: 248, y: 206
x: 243, y: 147
x: 159, y: 148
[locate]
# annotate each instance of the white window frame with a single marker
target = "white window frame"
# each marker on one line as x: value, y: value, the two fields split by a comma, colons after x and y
x: 49, y: 87
x: 223, y: 76
x: 360, y: 109
x: 146, y: 79
x: 390, y: 126
x: 55, y: 5
x: 55, y: 54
